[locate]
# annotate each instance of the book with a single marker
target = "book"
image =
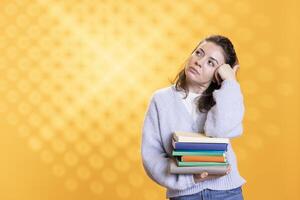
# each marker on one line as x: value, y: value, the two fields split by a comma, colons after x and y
x: 217, y: 170
x: 185, y: 164
x: 199, y: 146
x: 190, y: 164
x: 188, y: 158
x: 197, y: 152
x: 197, y: 137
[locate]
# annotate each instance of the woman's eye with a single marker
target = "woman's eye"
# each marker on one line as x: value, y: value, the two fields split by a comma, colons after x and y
x: 211, y: 63
x: 198, y: 53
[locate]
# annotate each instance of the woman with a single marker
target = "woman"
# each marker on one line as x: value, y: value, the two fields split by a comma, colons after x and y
x: 205, y: 98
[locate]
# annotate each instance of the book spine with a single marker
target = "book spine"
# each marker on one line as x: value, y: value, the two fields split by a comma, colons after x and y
x: 179, y: 138
x: 217, y: 170
x: 197, y: 152
x: 183, y: 164
x: 200, y: 146
x: 188, y: 158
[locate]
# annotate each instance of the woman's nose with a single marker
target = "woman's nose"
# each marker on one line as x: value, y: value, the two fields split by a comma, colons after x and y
x: 198, y: 63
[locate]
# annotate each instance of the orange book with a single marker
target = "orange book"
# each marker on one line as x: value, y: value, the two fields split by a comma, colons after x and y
x: 186, y: 158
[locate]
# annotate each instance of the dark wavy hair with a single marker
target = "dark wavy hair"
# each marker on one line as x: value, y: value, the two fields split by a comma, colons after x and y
x: 206, y: 100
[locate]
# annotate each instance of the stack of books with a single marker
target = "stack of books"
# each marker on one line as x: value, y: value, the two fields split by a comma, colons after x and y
x: 195, y: 153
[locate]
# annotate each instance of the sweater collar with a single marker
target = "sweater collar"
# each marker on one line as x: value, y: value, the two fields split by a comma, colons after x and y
x: 186, y: 115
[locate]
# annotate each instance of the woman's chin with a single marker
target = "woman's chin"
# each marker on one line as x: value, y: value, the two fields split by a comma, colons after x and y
x: 192, y: 76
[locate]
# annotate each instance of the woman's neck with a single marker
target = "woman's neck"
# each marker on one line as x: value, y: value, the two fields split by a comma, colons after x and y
x: 197, y: 88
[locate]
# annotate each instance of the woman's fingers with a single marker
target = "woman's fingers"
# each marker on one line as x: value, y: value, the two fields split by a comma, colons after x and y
x: 203, y: 174
x: 228, y: 169
x: 224, y: 72
x: 217, y: 76
x: 208, y: 177
x: 235, y: 68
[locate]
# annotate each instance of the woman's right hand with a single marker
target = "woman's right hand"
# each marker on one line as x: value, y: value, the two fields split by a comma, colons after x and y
x: 205, y: 176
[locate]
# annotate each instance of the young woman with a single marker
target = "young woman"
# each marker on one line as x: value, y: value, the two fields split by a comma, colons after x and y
x: 205, y: 98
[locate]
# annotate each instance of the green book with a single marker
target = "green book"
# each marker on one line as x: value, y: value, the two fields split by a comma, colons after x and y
x: 194, y: 164
x: 198, y: 153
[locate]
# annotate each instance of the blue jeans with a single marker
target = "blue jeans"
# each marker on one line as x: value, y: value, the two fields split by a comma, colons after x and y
x: 208, y: 194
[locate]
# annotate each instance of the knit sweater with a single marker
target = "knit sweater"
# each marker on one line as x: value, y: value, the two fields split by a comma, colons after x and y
x: 166, y: 113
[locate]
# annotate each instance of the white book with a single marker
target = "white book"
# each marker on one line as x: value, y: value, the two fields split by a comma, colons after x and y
x: 197, y: 138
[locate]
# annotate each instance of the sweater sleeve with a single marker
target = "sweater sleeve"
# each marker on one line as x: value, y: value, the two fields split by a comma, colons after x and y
x: 225, y: 118
x: 155, y: 159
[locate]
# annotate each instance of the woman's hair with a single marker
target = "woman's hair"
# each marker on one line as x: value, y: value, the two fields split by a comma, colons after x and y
x: 206, y: 100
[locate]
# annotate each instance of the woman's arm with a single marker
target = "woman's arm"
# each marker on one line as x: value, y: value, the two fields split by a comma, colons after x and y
x: 155, y: 160
x: 225, y: 118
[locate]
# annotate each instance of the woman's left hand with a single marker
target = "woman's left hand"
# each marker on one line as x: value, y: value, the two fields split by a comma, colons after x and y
x: 225, y: 72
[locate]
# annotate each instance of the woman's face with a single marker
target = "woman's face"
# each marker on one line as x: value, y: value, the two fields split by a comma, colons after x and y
x: 203, y: 63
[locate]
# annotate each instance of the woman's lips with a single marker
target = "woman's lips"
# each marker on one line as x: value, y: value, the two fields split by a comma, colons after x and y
x: 193, y: 70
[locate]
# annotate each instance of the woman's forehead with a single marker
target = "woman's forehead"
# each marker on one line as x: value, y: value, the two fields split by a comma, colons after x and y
x: 213, y: 50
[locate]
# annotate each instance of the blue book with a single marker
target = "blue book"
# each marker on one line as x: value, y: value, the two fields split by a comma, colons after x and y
x: 197, y: 153
x: 199, y: 146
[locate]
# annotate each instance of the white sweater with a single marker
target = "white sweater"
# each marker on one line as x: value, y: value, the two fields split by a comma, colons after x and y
x: 166, y: 113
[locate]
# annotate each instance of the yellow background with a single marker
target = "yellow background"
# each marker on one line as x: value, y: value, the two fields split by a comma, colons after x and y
x: 76, y: 78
